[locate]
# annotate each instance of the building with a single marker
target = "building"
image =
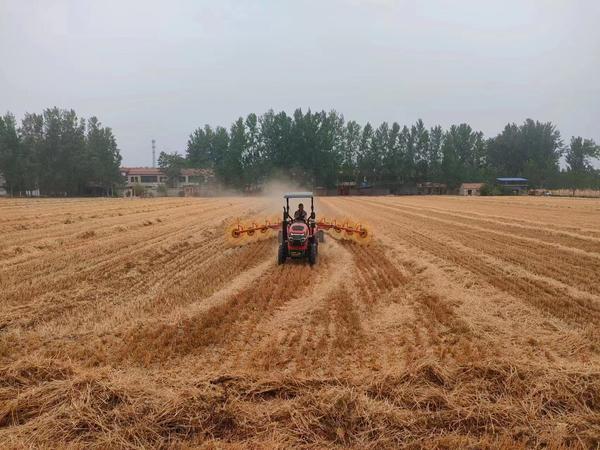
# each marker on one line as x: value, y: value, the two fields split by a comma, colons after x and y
x: 470, y: 189
x: 147, y: 178
x: 516, y: 186
x: 197, y: 183
x: 347, y: 188
x: 152, y: 181
x: 429, y: 188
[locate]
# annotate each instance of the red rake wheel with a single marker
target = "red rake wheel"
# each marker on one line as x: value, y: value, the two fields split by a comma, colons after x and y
x: 336, y: 227
x: 235, y: 235
x: 363, y: 235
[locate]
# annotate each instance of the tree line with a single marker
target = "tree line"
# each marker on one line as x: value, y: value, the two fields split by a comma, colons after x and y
x: 322, y: 149
x: 58, y: 154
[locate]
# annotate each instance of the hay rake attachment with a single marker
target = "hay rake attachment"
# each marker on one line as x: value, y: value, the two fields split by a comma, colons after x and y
x: 241, y: 232
x: 299, y: 235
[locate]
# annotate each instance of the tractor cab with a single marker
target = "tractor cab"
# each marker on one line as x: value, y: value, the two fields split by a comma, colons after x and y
x: 298, y: 237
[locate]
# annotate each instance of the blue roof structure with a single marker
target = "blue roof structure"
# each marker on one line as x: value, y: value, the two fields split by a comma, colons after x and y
x: 512, y: 180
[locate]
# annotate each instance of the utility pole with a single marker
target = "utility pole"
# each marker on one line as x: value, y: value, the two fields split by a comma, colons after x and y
x: 153, y: 153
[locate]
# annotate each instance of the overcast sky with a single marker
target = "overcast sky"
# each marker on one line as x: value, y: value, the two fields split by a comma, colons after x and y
x: 160, y: 69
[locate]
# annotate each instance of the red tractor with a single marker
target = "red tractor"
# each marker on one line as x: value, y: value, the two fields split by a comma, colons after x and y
x: 299, y: 237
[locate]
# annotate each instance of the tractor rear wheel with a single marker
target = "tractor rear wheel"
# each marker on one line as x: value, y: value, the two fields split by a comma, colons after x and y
x: 312, y: 254
x: 281, y: 254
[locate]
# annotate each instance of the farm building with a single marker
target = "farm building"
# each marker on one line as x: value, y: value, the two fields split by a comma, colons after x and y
x: 518, y: 186
x: 429, y: 188
x: 470, y: 189
x: 347, y: 188
x: 191, y: 182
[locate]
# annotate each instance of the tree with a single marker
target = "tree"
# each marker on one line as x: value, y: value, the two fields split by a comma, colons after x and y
x: 254, y: 163
x: 578, y: 156
x: 420, y: 137
x: 365, y: 165
x: 349, y: 151
x: 171, y: 164
x: 199, y: 151
x: 220, y: 145
x: 462, y: 158
x: 103, y: 156
x: 434, y: 153
x: 531, y: 150
x: 233, y: 171
x: 14, y: 162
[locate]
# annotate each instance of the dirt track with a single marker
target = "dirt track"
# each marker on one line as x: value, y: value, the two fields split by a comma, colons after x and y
x: 467, y: 321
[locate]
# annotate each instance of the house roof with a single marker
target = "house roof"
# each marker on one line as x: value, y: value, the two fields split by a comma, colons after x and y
x: 472, y: 185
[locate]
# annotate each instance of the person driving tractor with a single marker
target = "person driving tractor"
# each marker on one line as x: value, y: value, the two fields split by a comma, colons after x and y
x: 300, y: 214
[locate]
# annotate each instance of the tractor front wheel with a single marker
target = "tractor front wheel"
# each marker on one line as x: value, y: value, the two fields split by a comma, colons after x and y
x: 281, y: 254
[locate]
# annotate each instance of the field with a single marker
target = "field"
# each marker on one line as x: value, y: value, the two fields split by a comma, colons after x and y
x: 467, y: 322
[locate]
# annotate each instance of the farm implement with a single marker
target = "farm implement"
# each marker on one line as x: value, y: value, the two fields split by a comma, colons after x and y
x: 299, y: 235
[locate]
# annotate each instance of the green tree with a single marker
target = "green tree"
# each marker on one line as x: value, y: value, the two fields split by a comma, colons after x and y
x: 434, y: 153
x: 200, y: 153
x: 171, y: 164
x: 254, y: 163
x: 233, y: 170
x: 531, y: 150
x: 365, y: 164
x: 420, y: 137
x: 349, y: 151
x: 103, y: 156
x: 15, y: 164
x: 578, y: 156
x: 462, y: 160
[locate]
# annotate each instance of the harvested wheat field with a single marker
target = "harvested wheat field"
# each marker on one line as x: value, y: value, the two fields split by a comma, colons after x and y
x: 467, y: 322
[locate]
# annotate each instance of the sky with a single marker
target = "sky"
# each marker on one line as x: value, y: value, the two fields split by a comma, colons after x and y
x: 160, y: 69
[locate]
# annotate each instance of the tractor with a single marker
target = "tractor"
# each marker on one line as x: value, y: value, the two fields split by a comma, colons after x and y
x: 299, y: 238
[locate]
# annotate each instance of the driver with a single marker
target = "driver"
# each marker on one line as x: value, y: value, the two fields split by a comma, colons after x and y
x: 300, y: 214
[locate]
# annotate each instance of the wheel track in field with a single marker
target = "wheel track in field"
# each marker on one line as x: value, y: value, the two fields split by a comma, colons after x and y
x: 546, y: 219
x: 565, y: 240
x: 105, y: 271
x: 326, y: 331
x: 125, y: 245
x: 571, y: 272
x: 531, y: 290
x: 487, y: 311
x: 212, y: 331
x: 105, y: 233
x: 57, y: 221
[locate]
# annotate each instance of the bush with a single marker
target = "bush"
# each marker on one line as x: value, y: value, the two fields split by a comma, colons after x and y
x: 138, y: 190
x: 162, y: 189
x: 487, y: 189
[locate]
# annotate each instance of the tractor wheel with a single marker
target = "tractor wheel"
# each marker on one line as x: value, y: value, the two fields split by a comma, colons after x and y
x: 312, y: 254
x: 281, y: 254
x: 321, y: 236
x: 279, y: 236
